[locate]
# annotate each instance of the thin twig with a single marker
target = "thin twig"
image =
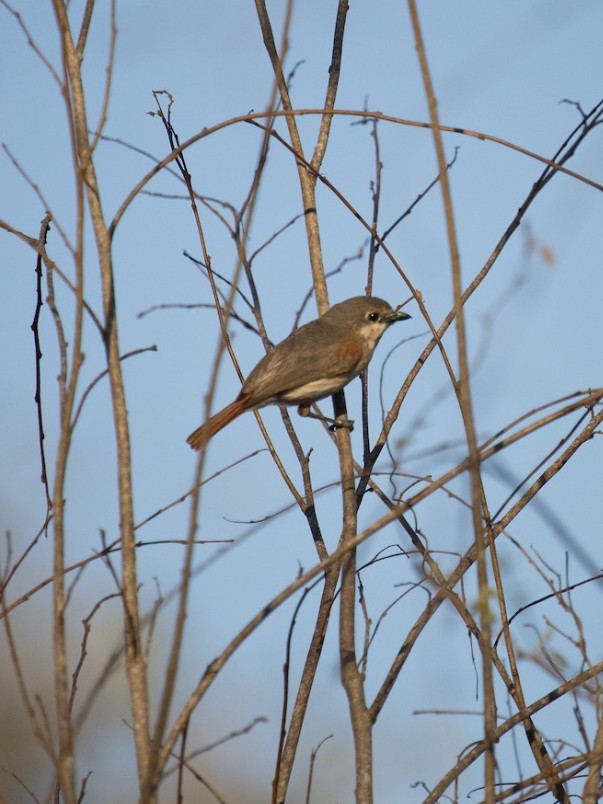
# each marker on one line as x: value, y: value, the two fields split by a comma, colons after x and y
x: 38, y: 358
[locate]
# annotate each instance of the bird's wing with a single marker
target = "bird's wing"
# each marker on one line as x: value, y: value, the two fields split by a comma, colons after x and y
x: 306, y: 356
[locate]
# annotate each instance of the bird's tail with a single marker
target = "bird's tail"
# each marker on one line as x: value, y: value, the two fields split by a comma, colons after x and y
x: 213, y: 425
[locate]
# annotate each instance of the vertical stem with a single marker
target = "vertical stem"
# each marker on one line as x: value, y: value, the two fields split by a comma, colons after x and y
x: 289, y: 749
x: 135, y: 659
x: 592, y: 787
x: 68, y: 383
x: 464, y: 396
x: 351, y: 677
x: 307, y: 178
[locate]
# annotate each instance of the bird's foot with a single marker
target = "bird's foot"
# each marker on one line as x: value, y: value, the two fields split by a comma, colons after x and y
x: 341, y: 422
x: 335, y: 424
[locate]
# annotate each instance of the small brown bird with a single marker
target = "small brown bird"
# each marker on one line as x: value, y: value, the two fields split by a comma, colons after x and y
x: 314, y: 362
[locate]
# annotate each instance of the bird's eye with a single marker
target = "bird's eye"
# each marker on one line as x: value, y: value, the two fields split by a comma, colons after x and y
x: 373, y: 316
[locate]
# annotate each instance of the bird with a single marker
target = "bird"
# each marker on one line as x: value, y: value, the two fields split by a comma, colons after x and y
x: 313, y: 362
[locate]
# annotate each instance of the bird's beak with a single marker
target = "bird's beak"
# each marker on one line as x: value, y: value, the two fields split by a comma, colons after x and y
x: 398, y: 315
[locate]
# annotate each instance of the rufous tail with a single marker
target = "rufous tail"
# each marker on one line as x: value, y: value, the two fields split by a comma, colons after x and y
x: 202, y: 434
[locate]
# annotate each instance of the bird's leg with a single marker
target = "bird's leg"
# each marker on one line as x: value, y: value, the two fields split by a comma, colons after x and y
x: 340, y: 421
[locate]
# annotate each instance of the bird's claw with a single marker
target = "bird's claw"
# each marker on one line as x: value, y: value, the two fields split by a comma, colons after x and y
x: 342, y: 422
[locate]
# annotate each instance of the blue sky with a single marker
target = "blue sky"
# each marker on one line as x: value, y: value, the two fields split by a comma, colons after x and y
x: 534, y: 327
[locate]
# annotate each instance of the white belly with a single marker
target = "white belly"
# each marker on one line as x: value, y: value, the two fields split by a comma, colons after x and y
x: 317, y: 389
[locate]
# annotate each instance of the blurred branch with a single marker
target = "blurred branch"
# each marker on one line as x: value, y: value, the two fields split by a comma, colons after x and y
x: 289, y: 739
x: 470, y: 756
x: 479, y: 505
x: 32, y: 43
